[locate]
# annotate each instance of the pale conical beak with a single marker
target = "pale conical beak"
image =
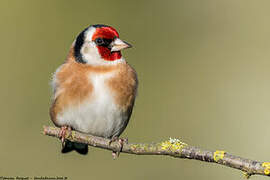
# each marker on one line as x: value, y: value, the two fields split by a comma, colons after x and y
x: 118, y: 45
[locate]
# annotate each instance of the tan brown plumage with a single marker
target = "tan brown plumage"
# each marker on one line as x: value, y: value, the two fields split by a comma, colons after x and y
x: 73, y: 85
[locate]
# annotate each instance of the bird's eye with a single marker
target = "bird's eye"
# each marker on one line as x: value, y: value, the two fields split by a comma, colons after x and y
x: 99, y: 41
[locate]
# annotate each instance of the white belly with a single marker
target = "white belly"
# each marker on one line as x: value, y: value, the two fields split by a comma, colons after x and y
x: 98, y: 115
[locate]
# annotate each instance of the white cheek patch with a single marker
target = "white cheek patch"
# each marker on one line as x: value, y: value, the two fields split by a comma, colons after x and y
x: 90, y: 53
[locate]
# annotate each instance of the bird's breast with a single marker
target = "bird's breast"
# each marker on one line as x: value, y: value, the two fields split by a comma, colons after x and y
x: 94, y: 102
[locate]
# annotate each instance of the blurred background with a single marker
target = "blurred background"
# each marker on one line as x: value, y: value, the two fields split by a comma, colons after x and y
x: 204, y: 72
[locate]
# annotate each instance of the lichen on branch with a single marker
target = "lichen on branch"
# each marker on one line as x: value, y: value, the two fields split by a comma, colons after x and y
x: 172, y: 147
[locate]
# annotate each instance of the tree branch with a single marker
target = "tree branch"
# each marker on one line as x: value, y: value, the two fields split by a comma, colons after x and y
x: 171, y: 147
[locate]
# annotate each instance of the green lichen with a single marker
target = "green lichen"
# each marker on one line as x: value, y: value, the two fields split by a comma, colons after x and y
x: 173, y: 144
x: 219, y: 155
x: 140, y: 147
x: 134, y: 146
x: 73, y: 133
x: 266, y: 166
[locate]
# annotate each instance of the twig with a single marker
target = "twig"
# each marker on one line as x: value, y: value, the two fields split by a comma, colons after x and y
x: 171, y: 147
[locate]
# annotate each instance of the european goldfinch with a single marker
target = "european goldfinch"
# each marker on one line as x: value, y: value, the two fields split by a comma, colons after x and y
x: 95, y: 89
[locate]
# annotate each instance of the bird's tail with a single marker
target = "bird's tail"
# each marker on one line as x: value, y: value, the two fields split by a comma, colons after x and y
x: 78, y: 147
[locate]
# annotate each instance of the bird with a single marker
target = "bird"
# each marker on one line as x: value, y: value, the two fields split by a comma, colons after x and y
x: 94, y: 90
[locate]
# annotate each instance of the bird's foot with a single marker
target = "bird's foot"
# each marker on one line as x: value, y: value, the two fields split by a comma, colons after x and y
x: 63, y: 132
x: 121, y: 142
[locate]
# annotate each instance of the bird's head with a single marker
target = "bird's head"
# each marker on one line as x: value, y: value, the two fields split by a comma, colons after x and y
x: 98, y: 45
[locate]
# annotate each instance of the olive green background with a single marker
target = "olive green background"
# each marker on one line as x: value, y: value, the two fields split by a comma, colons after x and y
x: 204, y: 72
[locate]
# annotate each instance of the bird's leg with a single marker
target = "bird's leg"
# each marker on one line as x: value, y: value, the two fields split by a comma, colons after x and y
x: 63, y: 132
x: 121, y: 142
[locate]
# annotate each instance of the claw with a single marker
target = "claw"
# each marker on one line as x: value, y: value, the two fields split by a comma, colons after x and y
x: 63, y: 132
x: 115, y: 155
x: 121, y: 142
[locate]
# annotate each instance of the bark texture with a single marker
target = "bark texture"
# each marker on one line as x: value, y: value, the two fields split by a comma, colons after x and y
x: 172, y: 147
